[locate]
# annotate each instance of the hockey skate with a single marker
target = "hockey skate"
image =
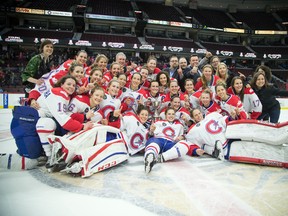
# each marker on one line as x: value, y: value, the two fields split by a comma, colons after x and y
x: 56, y: 163
x: 150, y: 161
x: 42, y: 160
x: 160, y: 158
x: 218, y: 151
x: 73, y: 168
x: 57, y: 155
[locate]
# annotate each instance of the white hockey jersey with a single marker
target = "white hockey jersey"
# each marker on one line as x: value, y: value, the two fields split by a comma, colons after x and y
x: 54, y: 104
x: 134, y: 133
x: 134, y: 96
x: 208, y: 131
x: 81, y: 104
x: 168, y: 130
x: 109, y: 104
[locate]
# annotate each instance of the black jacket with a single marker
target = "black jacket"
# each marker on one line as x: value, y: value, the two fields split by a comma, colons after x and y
x: 267, y: 96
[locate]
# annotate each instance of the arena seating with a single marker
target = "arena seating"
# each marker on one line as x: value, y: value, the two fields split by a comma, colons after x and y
x: 160, y: 12
x: 63, y: 5
x: 217, y: 19
x: 32, y: 33
x: 253, y: 19
x: 171, y: 42
x: 111, y: 7
x: 227, y: 47
x: 283, y: 50
x: 110, y: 38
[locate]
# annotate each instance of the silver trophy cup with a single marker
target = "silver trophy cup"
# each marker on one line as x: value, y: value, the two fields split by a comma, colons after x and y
x: 156, y: 105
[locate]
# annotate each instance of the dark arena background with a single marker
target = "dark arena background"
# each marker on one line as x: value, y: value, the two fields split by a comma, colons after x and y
x: 243, y: 33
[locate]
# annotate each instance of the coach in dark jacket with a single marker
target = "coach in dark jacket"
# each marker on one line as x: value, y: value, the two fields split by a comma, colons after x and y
x: 266, y: 93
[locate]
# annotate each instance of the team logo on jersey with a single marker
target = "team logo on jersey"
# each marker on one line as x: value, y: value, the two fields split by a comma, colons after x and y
x: 164, y: 124
x: 107, y: 109
x: 137, y: 141
x: 213, y: 127
x: 169, y: 132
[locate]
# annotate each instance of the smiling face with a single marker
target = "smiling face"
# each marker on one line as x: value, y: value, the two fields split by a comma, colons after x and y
x: 121, y: 59
x: 222, y: 70
x: 48, y: 49
x: 144, y: 73
x: 136, y: 80
x: 260, y: 82
x: 238, y: 85
x: 170, y: 115
x: 78, y: 73
x: 183, y: 63
x: 221, y: 92
x: 143, y: 116
x: 205, y: 99
x: 96, y: 77
x: 122, y: 80
x: 197, y: 115
x: 154, y: 88
x: 174, y: 87
x: 96, y: 97
x: 163, y: 79
x: 113, y: 88
x: 207, y: 72
x: 151, y: 64
x: 194, y: 61
x: 189, y: 87
x: 102, y: 63
x: 175, y: 103
x: 115, y: 69
x: 69, y: 86
x: 81, y: 58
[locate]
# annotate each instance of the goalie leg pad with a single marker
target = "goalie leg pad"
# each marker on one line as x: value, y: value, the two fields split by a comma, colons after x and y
x: 273, y: 134
x: 259, y: 153
x: 103, y: 156
x: 73, y: 143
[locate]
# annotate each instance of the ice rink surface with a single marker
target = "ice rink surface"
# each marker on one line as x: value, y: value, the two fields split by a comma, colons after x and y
x: 189, y: 186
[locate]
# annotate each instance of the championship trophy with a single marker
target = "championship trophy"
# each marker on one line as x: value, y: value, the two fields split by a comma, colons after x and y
x: 155, y: 106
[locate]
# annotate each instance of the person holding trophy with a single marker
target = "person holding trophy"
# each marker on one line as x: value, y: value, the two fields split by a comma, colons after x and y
x: 153, y: 100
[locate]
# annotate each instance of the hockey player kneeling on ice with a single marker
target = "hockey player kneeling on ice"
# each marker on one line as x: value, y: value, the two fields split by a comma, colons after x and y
x: 87, y: 152
x: 29, y: 149
x: 54, y: 115
x: 248, y: 141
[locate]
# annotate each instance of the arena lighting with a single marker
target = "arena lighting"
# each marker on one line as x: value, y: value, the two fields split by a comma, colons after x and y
x: 138, y: 12
x: 270, y: 32
x: 234, y: 30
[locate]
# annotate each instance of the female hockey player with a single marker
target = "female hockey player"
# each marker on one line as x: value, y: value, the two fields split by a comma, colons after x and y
x: 229, y: 103
x: 53, y: 112
x: 166, y: 133
x: 252, y: 104
x: 247, y: 141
